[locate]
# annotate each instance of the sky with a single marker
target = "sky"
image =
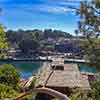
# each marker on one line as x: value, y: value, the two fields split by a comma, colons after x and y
x: 39, y: 14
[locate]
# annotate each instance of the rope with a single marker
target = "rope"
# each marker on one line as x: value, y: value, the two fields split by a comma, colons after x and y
x: 49, y: 76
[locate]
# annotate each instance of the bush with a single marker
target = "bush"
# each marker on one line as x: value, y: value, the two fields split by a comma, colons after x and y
x: 78, y: 94
x: 96, y: 89
x: 9, y: 75
x: 7, y: 92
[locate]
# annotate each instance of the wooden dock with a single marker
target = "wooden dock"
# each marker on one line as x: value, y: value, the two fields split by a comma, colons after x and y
x: 69, y: 77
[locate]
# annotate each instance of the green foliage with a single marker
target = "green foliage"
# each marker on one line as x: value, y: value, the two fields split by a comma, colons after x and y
x: 37, y: 35
x: 93, y: 94
x: 29, y: 41
x: 55, y: 34
x: 89, y: 27
x: 7, y: 92
x: 28, y: 45
x: 3, y: 43
x: 33, y: 83
x: 9, y: 75
x: 97, y: 3
x: 96, y: 89
x: 78, y: 94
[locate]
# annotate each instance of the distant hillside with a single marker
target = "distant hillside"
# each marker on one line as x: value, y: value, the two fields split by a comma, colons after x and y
x: 15, y: 36
x: 31, y: 40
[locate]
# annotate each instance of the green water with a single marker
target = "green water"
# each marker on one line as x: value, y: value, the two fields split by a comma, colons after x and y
x: 28, y: 68
x: 87, y: 68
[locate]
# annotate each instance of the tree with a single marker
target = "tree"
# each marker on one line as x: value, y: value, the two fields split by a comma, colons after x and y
x: 9, y: 80
x: 47, y: 33
x: 3, y: 43
x: 38, y: 34
x: 55, y: 34
x: 7, y: 92
x: 9, y: 75
x: 28, y: 45
x: 78, y: 94
x: 96, y: 88
x: 89, y: 26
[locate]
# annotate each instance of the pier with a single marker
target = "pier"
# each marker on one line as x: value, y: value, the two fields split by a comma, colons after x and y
x: 68, y: 76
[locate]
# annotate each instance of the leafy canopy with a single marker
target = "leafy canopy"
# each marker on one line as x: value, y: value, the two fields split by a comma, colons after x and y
x: 3, y: 43
x: 96, y: 89
x: 7, y: 92
x: 9, y: 75
x: 89, y: 27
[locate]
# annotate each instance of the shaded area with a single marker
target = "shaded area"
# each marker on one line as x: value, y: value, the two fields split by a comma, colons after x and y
x: 43, y: 96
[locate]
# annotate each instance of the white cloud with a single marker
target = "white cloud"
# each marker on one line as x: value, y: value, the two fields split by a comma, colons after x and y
x: 59, y: 6
x: 44, y: 7
x: 54, y: 9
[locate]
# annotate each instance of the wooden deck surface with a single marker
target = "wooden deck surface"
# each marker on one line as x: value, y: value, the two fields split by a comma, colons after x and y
x: 69, y: 77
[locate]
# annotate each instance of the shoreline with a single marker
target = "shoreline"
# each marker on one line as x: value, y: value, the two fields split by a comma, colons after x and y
x: 46, y: 59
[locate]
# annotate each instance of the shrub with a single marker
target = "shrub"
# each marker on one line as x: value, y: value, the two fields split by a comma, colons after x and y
x: 9, y: 75
x: 7, y: 92
x: 96, y: 89
x: 78, y: 94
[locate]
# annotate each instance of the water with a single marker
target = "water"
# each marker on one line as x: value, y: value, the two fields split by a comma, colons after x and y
x: 28, y: 68
x: 86, y: 68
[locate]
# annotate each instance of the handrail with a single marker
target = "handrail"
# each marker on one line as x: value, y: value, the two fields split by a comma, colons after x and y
x: 45, y: 90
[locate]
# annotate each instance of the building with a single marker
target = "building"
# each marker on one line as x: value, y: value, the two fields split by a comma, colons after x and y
x: 67, y: 48
x: 12, y: 52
